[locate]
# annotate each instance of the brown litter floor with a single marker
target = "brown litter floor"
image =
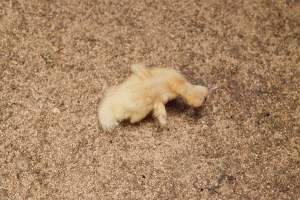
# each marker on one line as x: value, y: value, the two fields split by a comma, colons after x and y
x: 56, y: 56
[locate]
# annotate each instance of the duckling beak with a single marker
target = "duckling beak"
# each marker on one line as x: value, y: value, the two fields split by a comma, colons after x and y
x: 212, y: 88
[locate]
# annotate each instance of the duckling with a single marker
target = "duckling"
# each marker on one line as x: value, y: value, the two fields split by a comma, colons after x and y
x: 147, y: 90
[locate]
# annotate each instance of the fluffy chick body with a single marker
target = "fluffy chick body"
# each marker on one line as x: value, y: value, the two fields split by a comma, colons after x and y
x: 146, y: 90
